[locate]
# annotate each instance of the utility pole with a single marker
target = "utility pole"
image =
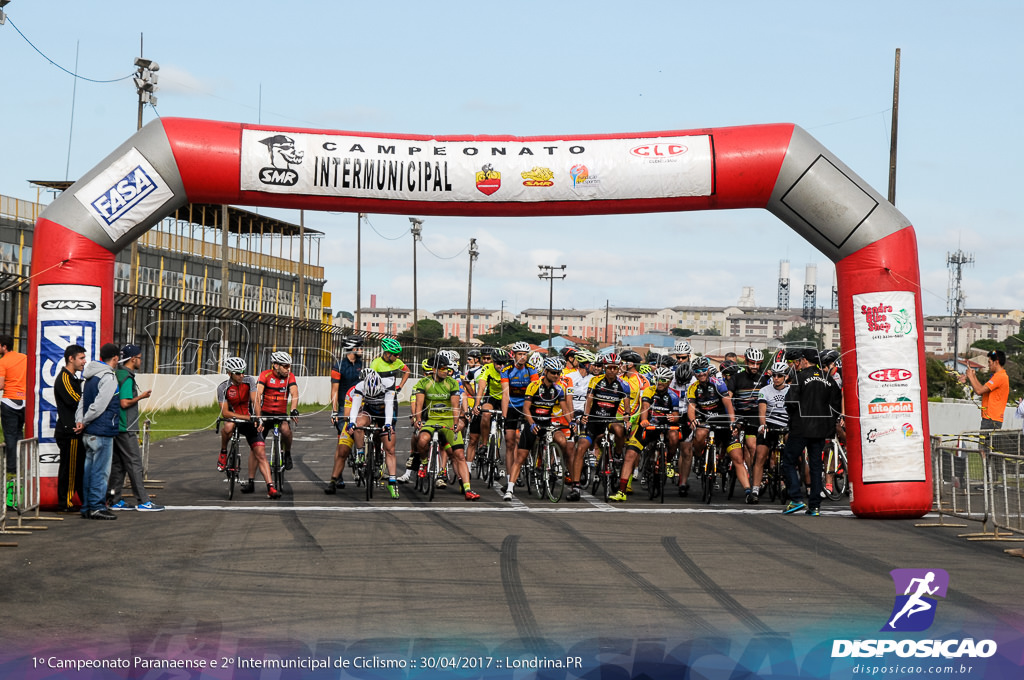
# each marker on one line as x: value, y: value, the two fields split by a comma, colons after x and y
x: 473, y: 253
x: 501, y: 323
x: 955, y: 262
x: 606, y: 309
x: 547, y: 271
x: 417, y: 229
x: 895, y: 121
x: 145, y: 82
x: 359, y: 270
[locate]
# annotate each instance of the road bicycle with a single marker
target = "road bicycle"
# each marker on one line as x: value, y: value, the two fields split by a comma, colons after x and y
x: 712, y: 463
x: 609, y: 463
x: 489, y: 465
x: 234, y: 458
x: 654, y: 463
x: 834, y: 465
x: 426, y: 476
x: 547, y: 468
x: 372, y: 468
x: 772, y: 480
x: 275, y: 454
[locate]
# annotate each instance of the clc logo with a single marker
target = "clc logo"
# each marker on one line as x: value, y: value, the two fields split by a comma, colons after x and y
x: 890, y: 375
x: 658, y: 150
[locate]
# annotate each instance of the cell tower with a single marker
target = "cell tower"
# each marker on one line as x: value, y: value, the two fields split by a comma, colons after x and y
x: 783, y: 285
x: 955, y: 295
x: 835, y: 290
x: 810, y: 291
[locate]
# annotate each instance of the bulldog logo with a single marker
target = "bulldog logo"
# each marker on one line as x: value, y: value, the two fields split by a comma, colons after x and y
x: 283, y: 156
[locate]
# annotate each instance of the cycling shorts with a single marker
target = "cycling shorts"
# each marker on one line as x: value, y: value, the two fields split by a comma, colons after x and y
x: 514, y: 419
x: 344, y: 438
x: 445, y: 434
x: 769, y: 437
x: 595, y: 428
x: 252, y: 436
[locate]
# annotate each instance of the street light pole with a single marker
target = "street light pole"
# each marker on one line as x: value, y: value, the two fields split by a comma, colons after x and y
x: 359, y: 269
x: 501, y: 323
x: 547, y: 271
x: 473, y: 252
x: 146, y: 84
x: 417, y: 229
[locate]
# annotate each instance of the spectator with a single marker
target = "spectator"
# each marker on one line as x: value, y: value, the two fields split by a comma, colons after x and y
x: 67, y: 391
x: 12, y: 405
x: 97, y: 418
x: 127, y: 457
x: 994, y: 393
x: 813, y: 406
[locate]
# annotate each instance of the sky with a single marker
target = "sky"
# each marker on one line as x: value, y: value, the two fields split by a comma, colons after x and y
x: 567, y: 68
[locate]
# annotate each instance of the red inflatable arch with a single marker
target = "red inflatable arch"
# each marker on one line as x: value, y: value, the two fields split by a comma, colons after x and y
x: 171, y: 162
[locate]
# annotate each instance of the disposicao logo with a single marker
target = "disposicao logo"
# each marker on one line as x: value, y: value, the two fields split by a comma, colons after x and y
x: 914, y: 610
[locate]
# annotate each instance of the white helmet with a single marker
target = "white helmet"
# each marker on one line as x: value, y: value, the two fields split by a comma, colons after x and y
x: 554, y: 364
x: 453, y: 356
x: 681, y: 347
x: 373, y: 386
x: 521, y: 346
x: 281, y: 358
x: 663, y: 373
x: 234, y: 365
x: 754, y: 354
x: 780, y: 367
x: 535, y: 360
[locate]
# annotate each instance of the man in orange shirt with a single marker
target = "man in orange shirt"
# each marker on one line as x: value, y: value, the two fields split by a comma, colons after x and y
x: 994, y: 393
x: 12, y: 403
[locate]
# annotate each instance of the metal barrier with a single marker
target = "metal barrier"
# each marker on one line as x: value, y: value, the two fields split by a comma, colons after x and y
x: 977, y: 477
x: 145, y: 445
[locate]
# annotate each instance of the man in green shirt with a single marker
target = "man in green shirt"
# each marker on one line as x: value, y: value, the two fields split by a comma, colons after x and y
x: 127, y: 457
x: 436, y: 408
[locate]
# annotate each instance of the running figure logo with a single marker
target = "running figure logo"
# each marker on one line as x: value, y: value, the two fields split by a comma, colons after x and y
x: 914, y: 609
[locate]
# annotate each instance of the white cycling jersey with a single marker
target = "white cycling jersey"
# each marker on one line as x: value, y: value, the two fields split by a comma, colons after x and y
x: 577, y: 388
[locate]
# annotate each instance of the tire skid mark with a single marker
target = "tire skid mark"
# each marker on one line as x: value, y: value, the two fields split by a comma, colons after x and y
x: 701, y: 578
x: 678, y: 608
x: 515, y: 596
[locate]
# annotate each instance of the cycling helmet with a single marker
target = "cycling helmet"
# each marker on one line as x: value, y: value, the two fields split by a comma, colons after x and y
x: 439, y: 361
x: 754, y: 354
x: 554, y: 364
x: 473, y: 354
x: 585, y: 356
x: 684, y: 373
x: 234, y: 365
x: 391, y: 346
x: 701, y: 365
x: 666, y: 360
x: 662, y: 374
x: 425, y: 364
x: 500, y: 356
x: 282, y: 358
x: 712, y: 372
x: 486, y: 351
x: 373, y: 386
x: 569, y: 351
x: 681, y: 347
x: 644, y: 369
x: 520, y: 346
x: 651, y: 357
x: 453, y: 356
x: 535, y: 360
x: 729, y: 367
x: 829, y: 357
x: 780, y: 367
x: 631, y: 357
x: 352, y: 341
x: 610, y: 359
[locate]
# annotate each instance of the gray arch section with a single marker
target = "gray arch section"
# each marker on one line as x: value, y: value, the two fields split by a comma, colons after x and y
x: 824, y: 201
x: 72, y: 209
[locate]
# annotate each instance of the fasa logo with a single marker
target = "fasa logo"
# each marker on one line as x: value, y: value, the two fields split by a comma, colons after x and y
x: 890, y: 375
x: 125, y: 194
x: 72, y: 305
x: 915, y: 604
x: 658, y: 150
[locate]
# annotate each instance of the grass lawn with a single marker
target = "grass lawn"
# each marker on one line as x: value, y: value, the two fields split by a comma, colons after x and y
x: 175, y: 422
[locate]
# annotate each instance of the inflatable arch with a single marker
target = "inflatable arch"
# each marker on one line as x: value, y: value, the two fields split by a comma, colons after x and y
x: 171, y: 162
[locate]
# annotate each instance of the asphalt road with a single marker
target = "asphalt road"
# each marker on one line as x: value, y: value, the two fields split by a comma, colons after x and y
x: 312, y: 574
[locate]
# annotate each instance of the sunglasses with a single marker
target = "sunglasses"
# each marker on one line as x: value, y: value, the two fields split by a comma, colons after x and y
x: 779, y: 375
x: 285, y: 365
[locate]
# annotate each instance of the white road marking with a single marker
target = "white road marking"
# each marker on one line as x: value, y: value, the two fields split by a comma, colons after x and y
x: 515, y: 506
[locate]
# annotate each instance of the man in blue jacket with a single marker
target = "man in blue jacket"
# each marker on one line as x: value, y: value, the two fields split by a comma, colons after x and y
x: 98, y: 419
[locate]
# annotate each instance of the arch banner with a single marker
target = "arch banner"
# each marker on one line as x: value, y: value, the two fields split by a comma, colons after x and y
x: 778, y: 167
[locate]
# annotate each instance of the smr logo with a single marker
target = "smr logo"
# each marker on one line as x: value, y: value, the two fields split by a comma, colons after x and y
x: 914, y: 609
x: 282, y: 157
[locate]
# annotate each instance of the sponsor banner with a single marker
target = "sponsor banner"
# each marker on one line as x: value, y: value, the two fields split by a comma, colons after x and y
x: 889, y: 386
x: 125, y: 194
x: 354, y: 166
x: 66, y: 315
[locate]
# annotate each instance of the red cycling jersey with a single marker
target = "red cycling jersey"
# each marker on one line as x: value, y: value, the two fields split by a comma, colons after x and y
x: 237, y: 396
x: 275, y: 392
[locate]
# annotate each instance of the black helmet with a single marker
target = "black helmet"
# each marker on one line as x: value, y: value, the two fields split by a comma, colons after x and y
x: 729, y: 367
x: 829, y: 357
x: 666, y: 360
x: 473, y: 354
x: 684, y: 373
x: 352, y: 341
x: 631, y: 357
x: 500, y: 356
x: 439, y: 361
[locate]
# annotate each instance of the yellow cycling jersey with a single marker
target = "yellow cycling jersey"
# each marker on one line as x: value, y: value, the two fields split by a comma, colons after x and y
x: 638, y: 384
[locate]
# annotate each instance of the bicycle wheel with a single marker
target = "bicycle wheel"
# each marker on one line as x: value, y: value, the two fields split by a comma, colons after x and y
x: 555, y: 474
x: 277, y: 463
x: 491, y: 461
x: 606, y: 473
x: 707, y: 483
x: 730, y: 477
x: 232, y: 467
x: 369, y: 469
x: 839, y: 475
x: 433, y: 462
x: 657, y: 472
x: 595, y: 484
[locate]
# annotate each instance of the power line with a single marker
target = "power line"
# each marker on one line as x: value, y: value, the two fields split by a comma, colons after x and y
x: 91, y: 80
x: 440, y: 257
x: 386, y: 238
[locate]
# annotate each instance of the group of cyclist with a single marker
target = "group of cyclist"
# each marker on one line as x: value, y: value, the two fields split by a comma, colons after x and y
x: 577, y: 396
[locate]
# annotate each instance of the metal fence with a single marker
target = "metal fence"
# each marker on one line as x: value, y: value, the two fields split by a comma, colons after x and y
x: 978, y: 476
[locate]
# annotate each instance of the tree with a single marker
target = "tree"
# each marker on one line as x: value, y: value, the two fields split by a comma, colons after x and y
x: 427, y: 329
x: 941, y: 383
x: 803, y: 334
x: 988, y: 345
x: 683, y: 332
x: 511, y: 331
x: 710, y: 331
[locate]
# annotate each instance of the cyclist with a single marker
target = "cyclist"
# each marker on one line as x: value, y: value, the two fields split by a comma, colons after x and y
x: 832, y: 365
x: 544, y: 405
x: 632, y: 362
x: 514, y: 381
x: 389, y: 365
x: 745, y: 386
x: 577, y: 380
x: 681, y: 380
x: 486, y: 388
x: 681, y: 351
x: 236, y: 397
x: 709, y: 398
x: 277, y: 395
x: 436, y: 407
x: 660, y: 407
x: 772, y: 417
x: 607, y: 397
x: 345, y: 372
x: 373, y: 402
x: 344, y: 448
